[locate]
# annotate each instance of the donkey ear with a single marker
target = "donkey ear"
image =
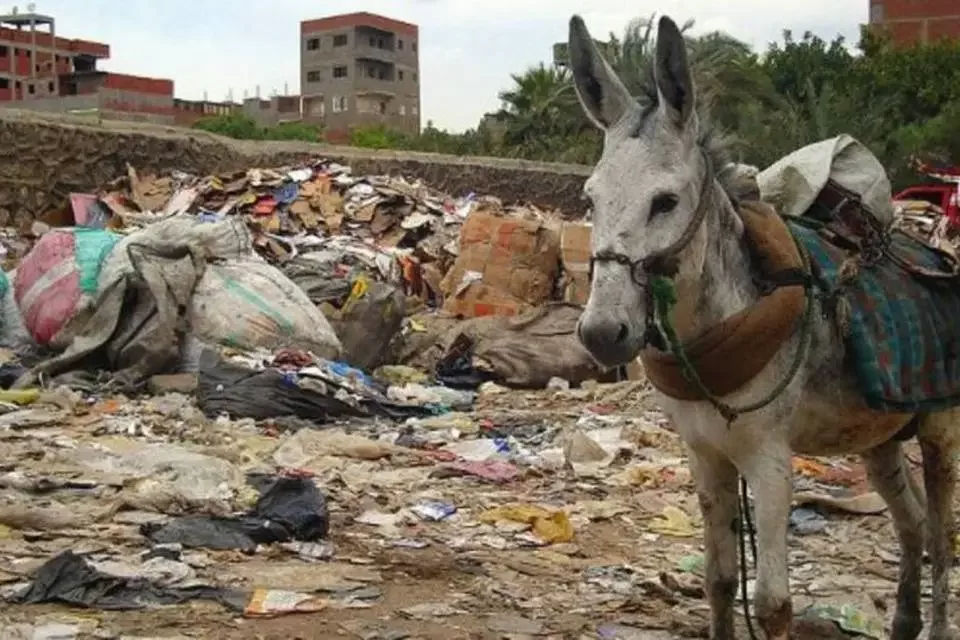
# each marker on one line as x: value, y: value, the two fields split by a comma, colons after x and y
x: 604, y: 97
x: 672, y: 73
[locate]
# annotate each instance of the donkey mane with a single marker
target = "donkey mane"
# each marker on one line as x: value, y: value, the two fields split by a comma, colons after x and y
x: 710, y: 139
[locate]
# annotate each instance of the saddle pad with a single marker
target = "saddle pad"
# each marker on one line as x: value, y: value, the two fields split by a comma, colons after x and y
x: 904, y: 338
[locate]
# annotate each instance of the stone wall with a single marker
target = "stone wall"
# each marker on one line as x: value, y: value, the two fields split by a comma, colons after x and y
x: 45, y: 157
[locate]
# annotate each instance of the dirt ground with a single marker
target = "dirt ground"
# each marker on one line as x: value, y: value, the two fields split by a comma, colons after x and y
x: 631, y: 570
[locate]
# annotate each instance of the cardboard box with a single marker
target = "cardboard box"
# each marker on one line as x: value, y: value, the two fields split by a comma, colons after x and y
x: 516, y: 261
x: 575, y: 256
x: 478, y: 300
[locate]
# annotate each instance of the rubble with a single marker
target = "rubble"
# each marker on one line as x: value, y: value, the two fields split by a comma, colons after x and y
x: 445, y: 477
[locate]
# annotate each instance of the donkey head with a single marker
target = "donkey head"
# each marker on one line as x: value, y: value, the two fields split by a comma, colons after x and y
x: 645, y: 190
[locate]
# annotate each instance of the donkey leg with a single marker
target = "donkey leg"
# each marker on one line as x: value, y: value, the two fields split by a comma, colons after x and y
x: 888, y: 473
x: 769, y: 474
x: 938, y: 443
x: 716, y: 480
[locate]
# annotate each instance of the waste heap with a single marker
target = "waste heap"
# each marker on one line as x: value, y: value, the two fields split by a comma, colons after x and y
x: 365, y: 271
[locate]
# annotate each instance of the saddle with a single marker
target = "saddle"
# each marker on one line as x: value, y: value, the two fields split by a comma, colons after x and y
x: 842, y: 219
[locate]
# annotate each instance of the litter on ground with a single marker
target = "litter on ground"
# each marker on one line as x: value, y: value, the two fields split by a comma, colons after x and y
x: 299, y: 402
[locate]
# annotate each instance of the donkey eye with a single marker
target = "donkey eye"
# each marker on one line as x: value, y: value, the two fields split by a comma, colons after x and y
x: 663, y: 203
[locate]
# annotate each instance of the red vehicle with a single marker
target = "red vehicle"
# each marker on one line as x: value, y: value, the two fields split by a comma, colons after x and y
x: 943, y: 193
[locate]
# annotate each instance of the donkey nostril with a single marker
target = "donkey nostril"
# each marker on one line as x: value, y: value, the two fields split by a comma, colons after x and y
x: 622, y: 333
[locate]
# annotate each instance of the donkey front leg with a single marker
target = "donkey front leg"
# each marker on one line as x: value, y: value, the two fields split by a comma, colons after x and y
x: 770, y: 477
x: 716, y: 480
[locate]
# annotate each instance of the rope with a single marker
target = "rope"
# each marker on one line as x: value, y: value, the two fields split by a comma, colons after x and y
x: 665, y: 299
x: 746, y: 521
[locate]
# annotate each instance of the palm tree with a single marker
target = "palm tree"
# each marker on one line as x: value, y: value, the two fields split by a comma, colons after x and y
x: 542, y: 117
x: 541, y: 104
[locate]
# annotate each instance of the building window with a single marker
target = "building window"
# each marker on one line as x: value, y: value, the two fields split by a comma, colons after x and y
x: 31, y: 89
x: 381, y: 43
x: 4, y: 52
x: 876, y: 13
x: 339, y: 104
x: 400, y: 44
x: 414, y: 46
x: 415, y: 76
x: 313, y: 76
x: 373, y: 41
x: 340, y: 40
x: 403, y: 110
x: 313, y: 44
x: 414, y: 110
x: 50, y: 87
x: 339, y: 72
x: 400, y: 75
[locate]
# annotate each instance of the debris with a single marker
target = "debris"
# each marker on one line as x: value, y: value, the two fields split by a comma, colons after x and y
x: 272, y: 602
x: 287, y: 509
x: 71, y: 579
x: 848, y: 618
x: 674, y: 522
x: 863, y: 504
x: 549, y: 526
x: 485, y: 459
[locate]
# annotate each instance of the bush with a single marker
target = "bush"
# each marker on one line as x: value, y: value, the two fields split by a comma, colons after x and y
x: 243, y: 127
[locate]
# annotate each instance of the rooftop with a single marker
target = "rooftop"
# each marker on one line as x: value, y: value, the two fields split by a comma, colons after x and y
x: 358, y: 19
x: 25, y: 19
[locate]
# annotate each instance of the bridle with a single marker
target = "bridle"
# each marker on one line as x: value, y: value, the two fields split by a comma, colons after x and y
x: 665, y: 262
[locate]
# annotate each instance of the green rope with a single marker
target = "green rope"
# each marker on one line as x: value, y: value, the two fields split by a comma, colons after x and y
x: 665, y: 299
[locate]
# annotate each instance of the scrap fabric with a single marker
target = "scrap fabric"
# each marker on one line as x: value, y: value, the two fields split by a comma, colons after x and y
x: 904, y: 338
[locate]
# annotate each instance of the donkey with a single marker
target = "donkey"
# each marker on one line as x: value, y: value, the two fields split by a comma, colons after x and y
x: 655, y: 191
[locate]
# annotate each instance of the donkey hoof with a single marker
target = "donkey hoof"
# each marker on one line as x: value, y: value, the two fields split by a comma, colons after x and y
x: 908, y: 628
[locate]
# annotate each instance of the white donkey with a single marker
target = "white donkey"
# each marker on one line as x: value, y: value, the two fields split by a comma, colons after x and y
x: 656, y: 201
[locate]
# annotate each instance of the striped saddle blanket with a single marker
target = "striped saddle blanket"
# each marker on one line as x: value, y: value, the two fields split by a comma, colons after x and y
x: 904, y: 327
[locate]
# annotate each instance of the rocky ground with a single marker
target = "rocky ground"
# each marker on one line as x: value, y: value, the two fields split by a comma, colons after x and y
x: 558, y: 513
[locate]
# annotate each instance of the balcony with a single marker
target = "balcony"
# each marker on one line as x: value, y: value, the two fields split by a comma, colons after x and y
x: 364, y: 51
x: 364, y: 85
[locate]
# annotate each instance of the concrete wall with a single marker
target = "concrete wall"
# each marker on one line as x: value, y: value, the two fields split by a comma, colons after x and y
x: 45, y: 157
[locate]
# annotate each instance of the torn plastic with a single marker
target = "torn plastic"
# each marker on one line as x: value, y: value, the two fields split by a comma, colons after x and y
x: 288, y: 509
x: 70, y: 579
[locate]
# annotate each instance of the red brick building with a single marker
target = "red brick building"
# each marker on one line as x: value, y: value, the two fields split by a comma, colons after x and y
x: 42, y: 71
x: 910, y: 21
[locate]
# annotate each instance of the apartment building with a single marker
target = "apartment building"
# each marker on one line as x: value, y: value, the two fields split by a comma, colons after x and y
x: 360, y: 69
x: 42, y: 71
x: 910, y: 21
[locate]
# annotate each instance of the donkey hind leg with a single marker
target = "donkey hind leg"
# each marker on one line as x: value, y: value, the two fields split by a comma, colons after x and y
x: 716, y: 480
x: 938, y: 438
x: 770, y: 477
x: 889, y: 475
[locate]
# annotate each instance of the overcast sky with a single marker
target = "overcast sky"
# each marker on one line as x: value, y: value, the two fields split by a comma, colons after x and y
x: 468, y: 48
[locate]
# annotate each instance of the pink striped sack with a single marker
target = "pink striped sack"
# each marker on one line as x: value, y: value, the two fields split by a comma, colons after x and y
x: 57, y: 281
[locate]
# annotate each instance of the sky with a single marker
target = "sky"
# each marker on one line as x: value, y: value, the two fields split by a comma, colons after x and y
x: 468, y: 48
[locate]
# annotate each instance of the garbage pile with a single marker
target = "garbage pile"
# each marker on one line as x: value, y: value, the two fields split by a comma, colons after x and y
x: 364, y: 270
x: 928, y: 222
x: 229, y: 399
